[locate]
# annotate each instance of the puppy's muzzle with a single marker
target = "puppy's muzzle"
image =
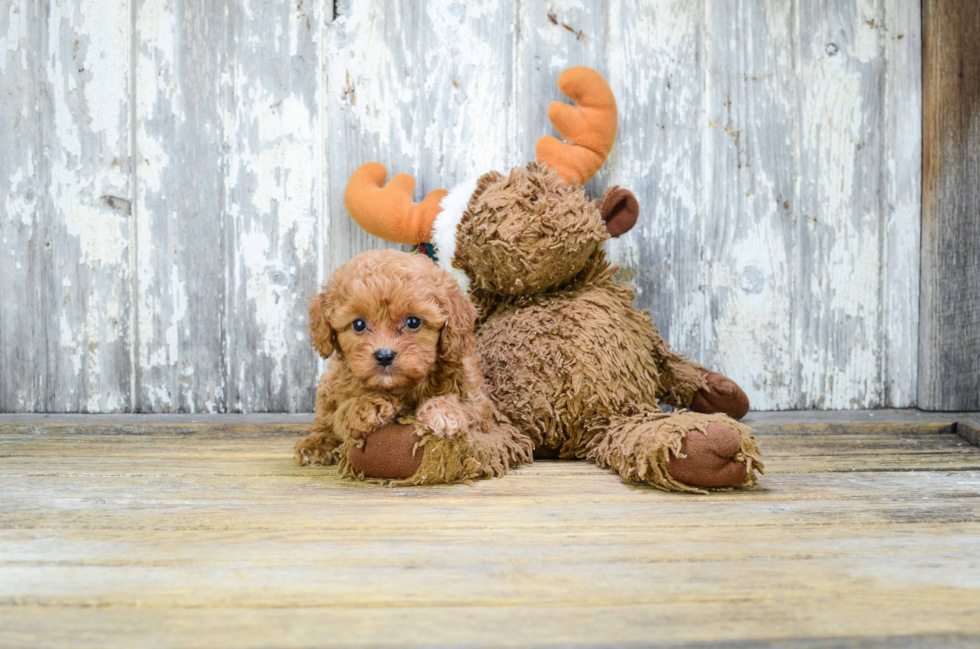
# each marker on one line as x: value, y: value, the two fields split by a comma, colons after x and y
x: 385, y: 357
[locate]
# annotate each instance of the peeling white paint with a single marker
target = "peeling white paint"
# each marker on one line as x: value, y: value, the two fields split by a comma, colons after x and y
x: 465, y: 91
x: 82, y: 228
x: 265, y: 295
x: 160, y: 295
x: 15, y: 38
x: 100, y: 232
x: 367, y: 54
x: 19, y: 202
x: 104, y: 33
x: 840, y: 346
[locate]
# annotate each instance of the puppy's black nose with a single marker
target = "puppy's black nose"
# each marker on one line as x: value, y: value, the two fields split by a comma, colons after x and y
x: 385, y: 357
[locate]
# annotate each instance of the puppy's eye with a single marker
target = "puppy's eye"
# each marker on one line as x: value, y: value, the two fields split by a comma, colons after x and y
x: 413, y: 323
x: 358, y: 325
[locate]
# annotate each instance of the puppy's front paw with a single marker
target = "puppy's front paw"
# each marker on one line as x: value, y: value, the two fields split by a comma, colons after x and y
x: 317, y: 449
x: 443, y: 415
x: 366, y: 415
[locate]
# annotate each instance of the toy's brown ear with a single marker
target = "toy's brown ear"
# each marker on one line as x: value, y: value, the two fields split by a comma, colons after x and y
x: 456, y: 340
x: 619, y: 209
x: 321, y: 333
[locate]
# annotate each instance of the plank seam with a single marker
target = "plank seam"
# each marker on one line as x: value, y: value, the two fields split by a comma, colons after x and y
x: 800, y: 217
x: 134, y: 293
x: 704, y: 190
x: 40, y: 404
x: 886, y: 78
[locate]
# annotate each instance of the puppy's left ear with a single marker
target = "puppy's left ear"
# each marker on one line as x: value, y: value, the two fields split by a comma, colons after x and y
x: 321, y: 333
x: 456, y: 338
x: 619, y: 209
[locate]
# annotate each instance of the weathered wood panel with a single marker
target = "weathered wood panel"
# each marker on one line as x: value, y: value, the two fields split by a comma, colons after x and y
x: 182, y: 98
x: 949, y: 333
x: 659, y: 158
x: 552, y: 36
x: 749, y: 253
x: 229, y: 204
x: 20, y: 194
x: 773, y: 147
x: 272, y: 174
x: 371, y: 69
x: 83, y: 218
x: 901, y: 200
x: 838, y: 217
x: 466, y: 77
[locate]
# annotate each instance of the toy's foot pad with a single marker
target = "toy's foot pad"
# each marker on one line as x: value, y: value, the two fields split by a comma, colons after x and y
x: 721, y: 395
x: 389, y: 453
x: 712, y: 459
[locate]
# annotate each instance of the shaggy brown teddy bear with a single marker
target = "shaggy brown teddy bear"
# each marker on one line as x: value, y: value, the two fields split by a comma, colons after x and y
x: 569, y: 359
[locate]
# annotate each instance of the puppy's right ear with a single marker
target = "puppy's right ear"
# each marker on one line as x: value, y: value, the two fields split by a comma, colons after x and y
x: 321, y: 333
x: 456, y: 339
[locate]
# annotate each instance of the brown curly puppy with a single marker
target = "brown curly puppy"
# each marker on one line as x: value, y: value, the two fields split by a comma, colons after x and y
x: 399, y: 335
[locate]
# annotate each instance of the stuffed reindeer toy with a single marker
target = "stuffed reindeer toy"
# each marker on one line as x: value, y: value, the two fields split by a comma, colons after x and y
x: 568, y: 359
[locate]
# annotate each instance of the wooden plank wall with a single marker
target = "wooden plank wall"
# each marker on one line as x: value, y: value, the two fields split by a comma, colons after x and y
x: 172, y: 175
x: 949, y: 346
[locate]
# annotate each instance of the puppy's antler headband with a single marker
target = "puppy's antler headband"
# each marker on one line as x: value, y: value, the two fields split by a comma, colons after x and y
x: 390, y: 211
x: 588, y: 128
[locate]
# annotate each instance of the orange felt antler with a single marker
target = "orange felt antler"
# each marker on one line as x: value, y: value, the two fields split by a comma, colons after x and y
x: 589, y: 127
x: 389, y: 211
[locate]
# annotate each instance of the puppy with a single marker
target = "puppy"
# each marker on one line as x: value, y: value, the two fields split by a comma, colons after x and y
x: 398, y: 333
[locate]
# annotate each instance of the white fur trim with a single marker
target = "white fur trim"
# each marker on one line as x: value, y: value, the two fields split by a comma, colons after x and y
x: 443, y: 238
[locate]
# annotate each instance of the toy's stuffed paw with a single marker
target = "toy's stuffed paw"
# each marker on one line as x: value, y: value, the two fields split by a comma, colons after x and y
x: 710, y: 459
x: 389, y: 453
x: 721, y: 395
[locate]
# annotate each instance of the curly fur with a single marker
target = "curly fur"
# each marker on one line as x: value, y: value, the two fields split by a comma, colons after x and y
x: 526, y: 232
x: 569, y: 359
x: 435, y: 382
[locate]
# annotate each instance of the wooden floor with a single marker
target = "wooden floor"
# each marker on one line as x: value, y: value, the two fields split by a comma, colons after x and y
x: 201, y: 532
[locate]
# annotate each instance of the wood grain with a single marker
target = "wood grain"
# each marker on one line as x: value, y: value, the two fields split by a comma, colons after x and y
x: 21, y: 352
x: 751, y: 163
x: 949, y: 329
x: 658, y: 156
x: 180, y: 206
x: 662, y: 624
x: 838, y: 218
x: 466, y: 116
x: 969, y: 429
x: 84, y: 214
x: 212, y: 536
x: 370, y: 83
x: 901, y: 200
x: 273, y: 174
x: 159, y: 259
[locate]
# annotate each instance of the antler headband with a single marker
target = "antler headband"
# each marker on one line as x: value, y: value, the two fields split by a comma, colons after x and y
x: 588, y: 129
